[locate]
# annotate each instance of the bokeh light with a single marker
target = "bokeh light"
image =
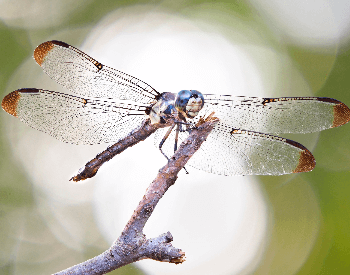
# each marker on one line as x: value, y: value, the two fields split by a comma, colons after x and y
x: 226, y: 225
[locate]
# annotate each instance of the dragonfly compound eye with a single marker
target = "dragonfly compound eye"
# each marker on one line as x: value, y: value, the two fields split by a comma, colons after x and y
x: 189, y: 102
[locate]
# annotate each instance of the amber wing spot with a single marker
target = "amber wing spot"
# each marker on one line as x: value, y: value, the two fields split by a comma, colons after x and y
x: 341, y: 114
x: 41, y: 51
x: 10, y: 102
x: 307, y: 162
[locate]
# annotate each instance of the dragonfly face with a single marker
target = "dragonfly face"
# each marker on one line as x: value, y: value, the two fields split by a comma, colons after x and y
x: 106, y: 105
x: 189, y: 102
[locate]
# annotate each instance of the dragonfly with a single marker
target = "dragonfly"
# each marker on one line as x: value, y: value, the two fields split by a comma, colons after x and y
x: 105, y: 105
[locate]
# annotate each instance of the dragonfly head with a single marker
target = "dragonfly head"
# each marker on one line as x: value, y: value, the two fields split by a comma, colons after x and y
x: 189, y: 102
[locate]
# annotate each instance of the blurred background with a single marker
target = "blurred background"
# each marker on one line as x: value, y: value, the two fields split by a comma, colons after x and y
x: 226, y: 225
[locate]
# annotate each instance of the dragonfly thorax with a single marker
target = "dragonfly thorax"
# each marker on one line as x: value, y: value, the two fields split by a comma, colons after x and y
x: 165, y: 106
x: 189, y: 103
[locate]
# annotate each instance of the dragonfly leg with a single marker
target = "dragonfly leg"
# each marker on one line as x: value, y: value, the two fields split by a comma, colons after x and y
x: 175, y: 145
x: 187, y: 124
x: 176, y: 137
x: 164, y: 139
x: 178, y: 128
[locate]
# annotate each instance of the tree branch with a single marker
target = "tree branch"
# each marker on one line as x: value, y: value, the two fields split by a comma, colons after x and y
x: 144, y: 131
x: 133, y: 245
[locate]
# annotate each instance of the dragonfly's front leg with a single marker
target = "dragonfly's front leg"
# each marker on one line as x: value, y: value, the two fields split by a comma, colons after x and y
x: 180, y: 128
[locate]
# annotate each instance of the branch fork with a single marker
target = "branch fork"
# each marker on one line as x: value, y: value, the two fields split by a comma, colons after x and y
x: 132, y: 245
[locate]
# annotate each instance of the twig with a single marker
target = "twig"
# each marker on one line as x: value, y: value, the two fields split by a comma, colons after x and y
x: 145, y: 130
x: 133, y: 245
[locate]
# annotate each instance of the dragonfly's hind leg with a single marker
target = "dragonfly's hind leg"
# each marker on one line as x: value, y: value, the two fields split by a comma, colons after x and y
x: 176, y: 137
x: 164, y: 139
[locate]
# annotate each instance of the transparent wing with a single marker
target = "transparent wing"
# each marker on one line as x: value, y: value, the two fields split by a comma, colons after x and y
x: 85, y: 76
x: 74, y: 119
x: 229, y: 151
x: 277, y: 115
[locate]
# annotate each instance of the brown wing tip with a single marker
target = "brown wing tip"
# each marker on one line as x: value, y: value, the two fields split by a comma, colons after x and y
x: 10, y: 102
x: 307, y: 162
x: 41, y: 51
x: 341, y: 114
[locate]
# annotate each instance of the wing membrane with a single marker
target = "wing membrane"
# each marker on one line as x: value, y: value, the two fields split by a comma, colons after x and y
x: 85, y: 76
x: 278, y: 115
x: 74, y: 119
x: 229, y: 151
